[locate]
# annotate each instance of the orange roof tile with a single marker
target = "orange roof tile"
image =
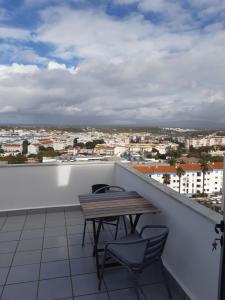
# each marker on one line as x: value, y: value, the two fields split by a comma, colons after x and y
x: 12, y: 145
x: 172, y: 169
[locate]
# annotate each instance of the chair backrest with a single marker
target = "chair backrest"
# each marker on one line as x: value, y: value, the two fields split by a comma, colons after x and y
x: 108, y: 188
x: 155, y: 245
x: 99, y: 188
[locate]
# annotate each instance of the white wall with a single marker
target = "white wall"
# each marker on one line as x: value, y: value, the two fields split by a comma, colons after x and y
x: 188, y: 253
x: 36, y: 186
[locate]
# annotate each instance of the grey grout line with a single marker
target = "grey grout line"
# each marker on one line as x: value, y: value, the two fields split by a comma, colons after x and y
x: 69, y: 259
x: 39, y: 275
x: 14, y: 253
x: 70, y: 270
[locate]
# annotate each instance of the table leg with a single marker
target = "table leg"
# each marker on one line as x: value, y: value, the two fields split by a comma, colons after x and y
x: 134, y: 223
x: 131, y: 222
x: 95, y: 248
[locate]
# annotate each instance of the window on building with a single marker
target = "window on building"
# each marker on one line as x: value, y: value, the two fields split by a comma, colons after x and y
x: 199, y: 173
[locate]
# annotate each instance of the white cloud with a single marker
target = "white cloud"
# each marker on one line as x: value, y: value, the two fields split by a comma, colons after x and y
x: 91, y: 34
x: 6, y: 71
x: 52, y: 65
x: 14, y: 33
x: 131, y: 72
x: 7, y: 109
x: 17, y: 53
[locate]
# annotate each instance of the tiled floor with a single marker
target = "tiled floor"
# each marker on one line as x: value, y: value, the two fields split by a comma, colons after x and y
x: 41, y: 258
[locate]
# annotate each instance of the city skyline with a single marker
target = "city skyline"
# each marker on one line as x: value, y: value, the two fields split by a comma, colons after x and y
x: 120, y: 63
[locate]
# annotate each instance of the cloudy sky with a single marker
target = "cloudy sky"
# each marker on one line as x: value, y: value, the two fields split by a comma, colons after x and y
x: 113, y: 62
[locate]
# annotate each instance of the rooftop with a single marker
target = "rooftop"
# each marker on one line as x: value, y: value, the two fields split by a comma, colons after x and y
x: 40, y: 236
x: 172, y: 169
x: 42, y: 258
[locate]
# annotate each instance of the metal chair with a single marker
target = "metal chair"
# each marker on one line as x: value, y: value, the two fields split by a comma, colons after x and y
x: 137, y: 254
x: 113, y: 221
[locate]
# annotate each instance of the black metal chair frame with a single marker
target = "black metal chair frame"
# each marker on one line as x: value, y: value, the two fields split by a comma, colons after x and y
x: 107, y: 220
x: 154, y: 247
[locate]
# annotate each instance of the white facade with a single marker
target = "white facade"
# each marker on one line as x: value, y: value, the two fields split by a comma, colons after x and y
x: 206, y: 141
x: 192, y: 181
x: 33, y: 149
x: 12, y: 148
x: 57, y: 146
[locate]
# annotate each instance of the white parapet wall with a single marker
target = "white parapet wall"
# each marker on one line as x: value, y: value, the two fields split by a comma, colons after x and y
x: 188, y: 254
x: 50, y: 185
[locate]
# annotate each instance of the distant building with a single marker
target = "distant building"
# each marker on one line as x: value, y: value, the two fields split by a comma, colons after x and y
x: 12, y: 148
x: 162, y: 148
x: 57, y: 146
x: 102, y: 149
x: 207, y: 141
x: 192, y: 181
x: 33, y: 148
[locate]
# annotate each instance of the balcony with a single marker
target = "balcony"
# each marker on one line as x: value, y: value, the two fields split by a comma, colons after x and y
x: 40, y: 239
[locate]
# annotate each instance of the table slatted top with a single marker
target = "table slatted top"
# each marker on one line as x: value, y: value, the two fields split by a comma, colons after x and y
x: 115, y: 204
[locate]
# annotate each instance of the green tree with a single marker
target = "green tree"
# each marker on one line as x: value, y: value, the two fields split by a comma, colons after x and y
x: 172, y: 161
x: 47, y: 152
x: 205, y: 168
x: 217, y: 159
x: 75, y: 142
x: 166, y: 178
x: 17, y: 159
x: 25, y: 147
x: 92, y: 144
x: 180, y: 172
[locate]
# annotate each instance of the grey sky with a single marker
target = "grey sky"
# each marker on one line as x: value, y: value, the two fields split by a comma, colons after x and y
x: 127, y: 70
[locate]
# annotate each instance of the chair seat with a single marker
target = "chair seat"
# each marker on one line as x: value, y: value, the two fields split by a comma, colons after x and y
x: 130, y: 254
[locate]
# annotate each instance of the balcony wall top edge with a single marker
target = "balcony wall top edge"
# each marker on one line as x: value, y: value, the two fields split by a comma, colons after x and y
x: 55, y: 164
x: 209, y: 214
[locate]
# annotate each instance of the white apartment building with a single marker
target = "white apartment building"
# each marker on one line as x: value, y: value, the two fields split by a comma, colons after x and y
x: 13, y: 148
x: 191, y: 181
x: 57, y: 146
x: 33, y: 148
x: 162, y: 148
x: 205, y: 141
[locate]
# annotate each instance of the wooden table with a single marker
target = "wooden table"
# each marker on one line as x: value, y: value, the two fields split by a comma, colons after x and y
x: 96, y: 207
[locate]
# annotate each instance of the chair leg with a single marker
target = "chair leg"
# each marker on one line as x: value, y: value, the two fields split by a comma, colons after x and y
x: 125, y: 225
x: 84, y: 232
x: 165, y: 280
x: 102, y: 270
x: 117, y: 226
